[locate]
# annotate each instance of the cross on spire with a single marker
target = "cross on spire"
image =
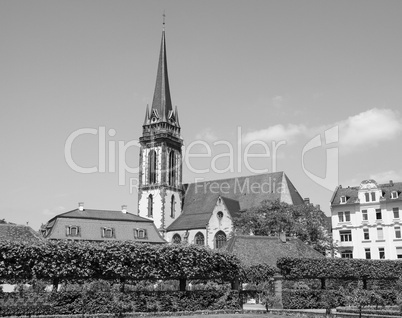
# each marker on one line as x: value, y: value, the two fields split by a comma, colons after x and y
x: 164, y: 16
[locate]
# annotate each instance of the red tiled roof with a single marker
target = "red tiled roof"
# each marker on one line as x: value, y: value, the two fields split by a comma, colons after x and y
x: 14, y: 232
x: 253, y: 250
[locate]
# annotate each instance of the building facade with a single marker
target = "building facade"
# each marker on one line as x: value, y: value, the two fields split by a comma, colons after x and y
x: 366, y: 220
x: 101, y: 225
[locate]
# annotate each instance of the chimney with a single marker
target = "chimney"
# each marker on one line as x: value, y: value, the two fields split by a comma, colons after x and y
x: 318, y: 207
x: 282, y: 237
x: 81, y: 206
x: 306, y: 200
x: 391, y: 183
x: 124, y: 208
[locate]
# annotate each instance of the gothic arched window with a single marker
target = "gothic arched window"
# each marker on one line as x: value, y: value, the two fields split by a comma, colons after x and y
x: 172, y: 206
x: 171, y: 170
x: 199, y: 239
x: 150, y: 206
x: 220, y: 239
x: 176, y: 239
x: 152, y: 167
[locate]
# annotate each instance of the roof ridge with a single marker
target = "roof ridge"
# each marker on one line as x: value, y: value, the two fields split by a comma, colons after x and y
x: 238, y: 177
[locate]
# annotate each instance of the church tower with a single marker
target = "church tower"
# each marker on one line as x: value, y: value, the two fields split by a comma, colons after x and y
x: 160, y: 177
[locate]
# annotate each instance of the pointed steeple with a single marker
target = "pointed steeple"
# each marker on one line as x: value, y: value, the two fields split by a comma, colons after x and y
x: 146, y: 120
x: 162, y: 102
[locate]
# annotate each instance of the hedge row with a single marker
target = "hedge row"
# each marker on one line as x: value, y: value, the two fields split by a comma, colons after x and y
x: 76, y: 302
x: 112, y: 260
x: 297, y: 268
x: 321, y: 299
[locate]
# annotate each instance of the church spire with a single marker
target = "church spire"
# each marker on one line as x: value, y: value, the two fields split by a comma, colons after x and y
x: 162, y: 103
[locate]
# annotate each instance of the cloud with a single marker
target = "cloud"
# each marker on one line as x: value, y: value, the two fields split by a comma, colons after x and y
x: 369, y: 129
x: 386, y: 176
x: 362, y: 131
x: 54, y: 211
x: 207, y: 135
x: 277, y: 132
x: 277, y: 101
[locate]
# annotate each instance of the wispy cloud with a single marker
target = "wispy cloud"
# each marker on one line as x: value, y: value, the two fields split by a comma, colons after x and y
x: 279, y: 132
x: 386, y: 176
x: 207, y: 135
x: 277, y: 101
x: 54, y: 211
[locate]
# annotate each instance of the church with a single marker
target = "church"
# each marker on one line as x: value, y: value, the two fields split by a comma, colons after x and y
x: 197, y: 213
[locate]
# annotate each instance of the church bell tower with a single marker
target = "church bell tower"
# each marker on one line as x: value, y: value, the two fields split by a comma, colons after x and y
x: 160, y: 177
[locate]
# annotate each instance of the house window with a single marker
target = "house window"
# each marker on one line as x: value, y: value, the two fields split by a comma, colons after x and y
x: 378, y: 215
x: 346, y: 236
x: 199, y: 239
x: 381, y: 252
x: 347, y: 254
x: 396, y: 213
x: 380, y: 234
x: 108, y: 232
x: 176, y: 239
x: 368, y: 253
x: 219, y: 215
x: 220, y: 239
x: 171, y: 178
x: 140, y: 234
x: 73, y: 230
x: 364, y: 215
x: 340, y: 217
x: 150, y: 206
x: 394, y: 195
x: 172, y: 206
x: 399, y: 252
x: 372, y: 196
x: 397, y: 232
x: 366, y: 234
x: 343, y: 199
x: 152, y: 167
x: 367, y: 196
x: 347, y: 216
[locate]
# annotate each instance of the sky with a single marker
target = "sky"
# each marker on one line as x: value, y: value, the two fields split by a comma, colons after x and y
x: 314, y: 87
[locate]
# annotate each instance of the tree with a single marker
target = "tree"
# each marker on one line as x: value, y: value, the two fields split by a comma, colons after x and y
x: 271, y: 218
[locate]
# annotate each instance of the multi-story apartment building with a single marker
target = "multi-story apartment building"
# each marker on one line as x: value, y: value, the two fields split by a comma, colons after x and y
x: 366, y: 220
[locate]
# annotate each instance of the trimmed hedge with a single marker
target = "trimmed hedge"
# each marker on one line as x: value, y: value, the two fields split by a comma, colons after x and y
x: 340, y: 268
x: 321, y: 299
x: 257, y: 273
x: 112, y: 260
x: 76, y: 302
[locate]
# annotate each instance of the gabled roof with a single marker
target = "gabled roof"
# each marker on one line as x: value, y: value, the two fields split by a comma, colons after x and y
x: 351, y: 193
x: 238, y: 194
x: 253, y: 250
x: 14, y: 232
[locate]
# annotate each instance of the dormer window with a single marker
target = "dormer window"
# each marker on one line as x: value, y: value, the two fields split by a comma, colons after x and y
x: 73, y: 230
x: 140, y: 234
x: 372, y: 196
x: 394, y: 195
x: 108, y: 232
x: 343, y: 199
